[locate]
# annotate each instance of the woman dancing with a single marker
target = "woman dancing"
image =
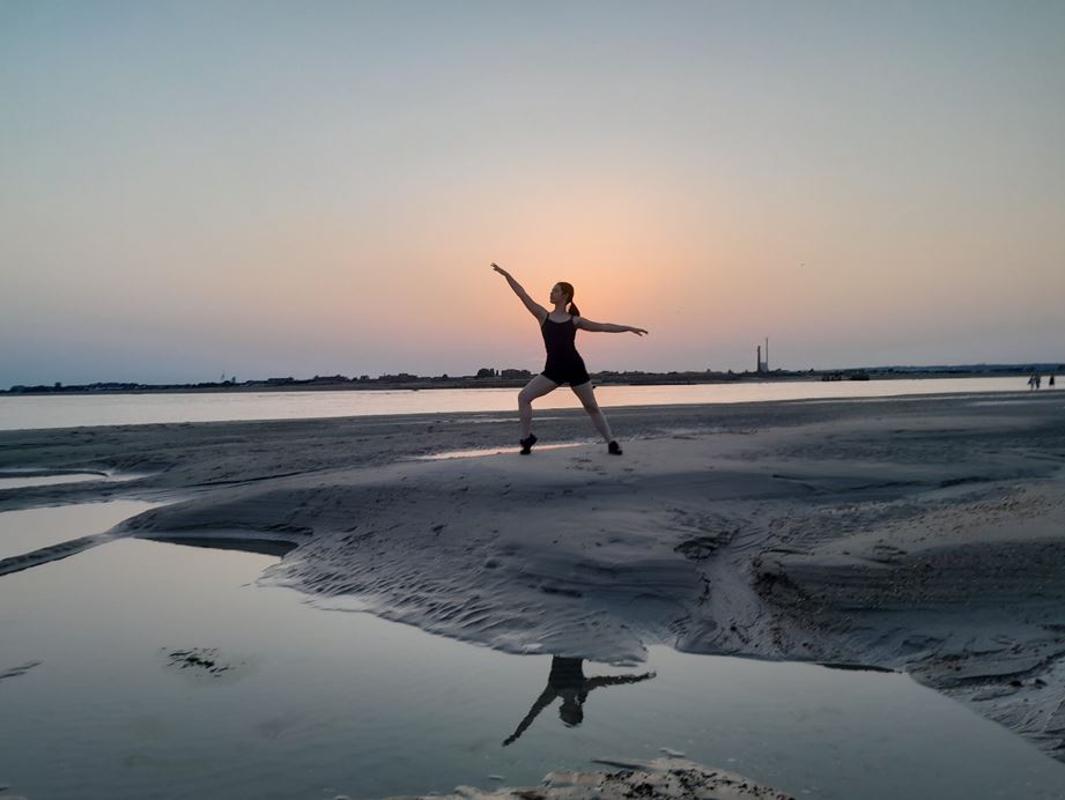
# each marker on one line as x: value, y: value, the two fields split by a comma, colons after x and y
x: 564, y: 364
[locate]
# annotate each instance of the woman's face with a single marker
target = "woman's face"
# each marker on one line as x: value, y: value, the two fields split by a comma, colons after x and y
x: 557, y: 295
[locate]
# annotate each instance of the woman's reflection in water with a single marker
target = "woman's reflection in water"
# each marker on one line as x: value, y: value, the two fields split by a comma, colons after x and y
x: 568, y: 682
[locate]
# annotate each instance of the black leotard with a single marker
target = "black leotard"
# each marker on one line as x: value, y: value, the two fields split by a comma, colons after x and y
x: 564, y: 363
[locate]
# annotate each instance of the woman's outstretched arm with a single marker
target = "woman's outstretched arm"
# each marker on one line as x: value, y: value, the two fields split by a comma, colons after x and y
x: 535, y: 308
x: 542, y: 702
x: 607, y: 327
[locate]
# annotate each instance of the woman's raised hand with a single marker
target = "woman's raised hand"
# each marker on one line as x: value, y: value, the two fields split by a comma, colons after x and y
x: 638, y: 331
x: 499, y: 269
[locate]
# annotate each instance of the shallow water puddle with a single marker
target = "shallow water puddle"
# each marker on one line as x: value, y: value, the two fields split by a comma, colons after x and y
x: 494, y: 451
x: 141, y: 669
x: 14, y: 479
x: 31, y: 529
x: 27, y: 478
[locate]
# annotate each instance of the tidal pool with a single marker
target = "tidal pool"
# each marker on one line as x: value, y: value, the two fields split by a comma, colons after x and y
x: 20, y: 479
x: 155, y: 670
x: 31, y: 529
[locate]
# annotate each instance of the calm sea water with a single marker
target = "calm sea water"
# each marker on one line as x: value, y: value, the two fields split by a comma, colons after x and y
x: 149, y: 670
x: 60, y: 411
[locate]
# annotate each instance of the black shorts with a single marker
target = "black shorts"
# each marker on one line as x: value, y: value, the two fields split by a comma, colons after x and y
x: 571, y: 372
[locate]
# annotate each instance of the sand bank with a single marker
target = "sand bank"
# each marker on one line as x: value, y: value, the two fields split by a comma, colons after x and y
x: 916, y: 534
x: 661, y: 779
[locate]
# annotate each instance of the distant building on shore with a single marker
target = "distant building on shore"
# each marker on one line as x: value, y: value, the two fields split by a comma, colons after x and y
x: 760, y: 365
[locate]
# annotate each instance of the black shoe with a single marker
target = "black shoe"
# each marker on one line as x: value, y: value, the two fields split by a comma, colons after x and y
x: 613, y: 448
x: 527, y: 443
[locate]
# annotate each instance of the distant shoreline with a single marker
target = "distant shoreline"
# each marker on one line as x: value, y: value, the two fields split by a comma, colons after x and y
x: 607, y: 378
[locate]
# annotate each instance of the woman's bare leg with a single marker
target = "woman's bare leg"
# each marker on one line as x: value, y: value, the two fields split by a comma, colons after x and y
x: 537, y: 387
x: 586, y: 394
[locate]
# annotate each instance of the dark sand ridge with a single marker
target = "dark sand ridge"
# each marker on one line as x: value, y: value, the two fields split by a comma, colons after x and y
x: 923, y: 534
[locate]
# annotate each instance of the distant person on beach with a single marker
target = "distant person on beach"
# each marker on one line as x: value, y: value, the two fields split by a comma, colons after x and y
x: 567, y: 681
x: 564, y: 364
x: 1051, y: 381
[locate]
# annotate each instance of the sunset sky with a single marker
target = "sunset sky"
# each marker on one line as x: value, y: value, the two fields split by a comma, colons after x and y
x: 270, y: 189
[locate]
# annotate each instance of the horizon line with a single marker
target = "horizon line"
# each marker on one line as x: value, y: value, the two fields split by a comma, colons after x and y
x: 403, y: 377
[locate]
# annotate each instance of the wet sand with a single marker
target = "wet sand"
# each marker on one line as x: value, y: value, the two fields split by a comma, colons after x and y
x: 918, y: 534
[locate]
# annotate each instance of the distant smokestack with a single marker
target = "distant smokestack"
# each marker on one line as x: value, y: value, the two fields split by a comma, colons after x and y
x: 767, y: 354
x: 758, y: 360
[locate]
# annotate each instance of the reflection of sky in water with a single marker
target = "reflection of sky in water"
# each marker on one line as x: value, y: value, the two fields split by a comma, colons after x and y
x: 492, y: 451
x: 8, y: 481
x: 323, y: 702
x: 11, y: 479
x: 59, y: 411
x: 31, y: 529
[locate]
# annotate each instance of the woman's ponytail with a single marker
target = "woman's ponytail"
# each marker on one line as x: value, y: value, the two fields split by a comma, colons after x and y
x: 567, y: 289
